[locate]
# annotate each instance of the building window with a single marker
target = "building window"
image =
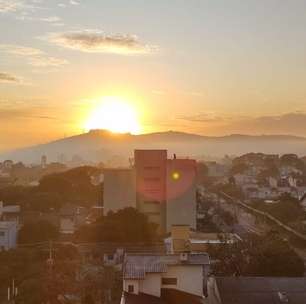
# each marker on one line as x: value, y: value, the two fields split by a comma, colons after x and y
x: 152, y: 202
x: 151, y: 168
x: 131, y: 289
x: 151, y: 179
x: 169, y: 281
x: 2, y: 233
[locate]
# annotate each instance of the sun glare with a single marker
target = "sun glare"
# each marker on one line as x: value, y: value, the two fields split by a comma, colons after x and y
x: 114, y: 114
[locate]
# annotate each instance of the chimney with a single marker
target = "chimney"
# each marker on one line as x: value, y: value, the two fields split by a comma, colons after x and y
x: 283, y: 297
x: 184, y: 257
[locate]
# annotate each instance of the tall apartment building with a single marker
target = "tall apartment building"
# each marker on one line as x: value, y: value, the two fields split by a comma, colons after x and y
x: 119, y: 189
x: 151, y: 170
x: 163, y: 189
x: 181, y: 193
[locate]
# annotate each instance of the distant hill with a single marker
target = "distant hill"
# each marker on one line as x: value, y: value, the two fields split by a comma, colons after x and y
x: 101, y: 145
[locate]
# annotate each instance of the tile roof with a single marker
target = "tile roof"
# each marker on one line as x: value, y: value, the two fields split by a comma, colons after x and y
x: 137, y: 265
x: 264, y: 290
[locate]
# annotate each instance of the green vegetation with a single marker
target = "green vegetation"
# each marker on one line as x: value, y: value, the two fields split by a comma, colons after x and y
x: 126, y: 225
x: 34, y: 232
x: 287, y: 209
x: 267, y: 255
x: 37, y: 281
x: 55, y: 190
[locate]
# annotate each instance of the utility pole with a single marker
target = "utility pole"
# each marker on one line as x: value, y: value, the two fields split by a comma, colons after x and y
x: 12, y: 292
x: 50, y: 265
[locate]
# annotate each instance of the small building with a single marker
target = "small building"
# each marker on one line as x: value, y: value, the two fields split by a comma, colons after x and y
x: 10, y: 213
x: 71, y: 217
x: 155, y: 276
x: 183, y: 239
x: 255, y: 290
x: 8, y: 235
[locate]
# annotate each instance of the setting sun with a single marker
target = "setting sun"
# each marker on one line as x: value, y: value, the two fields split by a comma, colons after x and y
x: 114, y: 114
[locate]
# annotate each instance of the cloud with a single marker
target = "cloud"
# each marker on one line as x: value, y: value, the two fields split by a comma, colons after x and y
x: 208, y: 117
x: 22, y: 114
x: 47, y: 62
x: 8, y: 6
x: 16, y: 6
x: 288, y: 123
x: 35, y: 57
x: 74, y: 2
x: 8, y: 78
x: 51, y: 19
x: 20, y: 50
x: 93, y: 41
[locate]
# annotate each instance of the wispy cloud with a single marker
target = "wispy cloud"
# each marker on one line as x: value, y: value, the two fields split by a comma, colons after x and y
x: 94, y: 41
x: 16, y: 6
x: 288, y: 123
x: 35, y: 57
x: 74, y: 2
x: 9, y: 78
x: 8, y: 6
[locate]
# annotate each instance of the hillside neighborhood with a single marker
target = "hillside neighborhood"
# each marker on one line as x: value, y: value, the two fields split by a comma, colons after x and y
x: 161, y: 230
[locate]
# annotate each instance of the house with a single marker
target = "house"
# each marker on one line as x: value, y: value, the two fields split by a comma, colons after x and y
x: 183, y: 239
x: 71, y: 217
x: 10, y: 213
x: 162, y: 278
x: 8, y: 235
x: 254, y: 290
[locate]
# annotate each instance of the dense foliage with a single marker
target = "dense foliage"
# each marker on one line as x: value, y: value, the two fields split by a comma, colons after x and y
x: 267, y: 255
x: 55, y: 190
x: 126, y: 225
x: 34, y: 232
x: 287, y: 209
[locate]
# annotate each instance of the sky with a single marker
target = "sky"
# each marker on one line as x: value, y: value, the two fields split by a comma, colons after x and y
x: 212, y: 67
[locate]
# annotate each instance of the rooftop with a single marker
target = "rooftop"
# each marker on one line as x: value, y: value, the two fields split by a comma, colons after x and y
x: 6, y: 225
x: 137, y: 265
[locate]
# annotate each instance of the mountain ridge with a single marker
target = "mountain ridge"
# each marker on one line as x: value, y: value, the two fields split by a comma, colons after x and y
x: 98, y: 145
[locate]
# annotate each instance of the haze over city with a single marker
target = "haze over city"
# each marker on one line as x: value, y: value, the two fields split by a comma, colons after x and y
x: 203, y: 67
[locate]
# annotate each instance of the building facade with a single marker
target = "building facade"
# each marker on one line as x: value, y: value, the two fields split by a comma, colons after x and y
x: 119, y: 189
x: 151, y: 170
x: 181, y: 193
x: 153, y: 274
x: 8, y: 235
x: 162, y: 189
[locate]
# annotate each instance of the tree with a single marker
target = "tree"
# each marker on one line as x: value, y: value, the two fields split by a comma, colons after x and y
x: 34, y: 232
x: 267, y: 255
x: 126, y: 225
x: 239, y: 168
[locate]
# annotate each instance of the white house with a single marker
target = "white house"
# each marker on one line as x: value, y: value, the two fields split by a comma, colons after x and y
x: 10, y: 213
x: 8, y: 235
x: 157, y: 275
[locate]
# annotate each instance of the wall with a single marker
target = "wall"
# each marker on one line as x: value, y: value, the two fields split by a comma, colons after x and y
x: 151, y: 285
x: 119, y: 189
x: 189, y: 278
x: 9, y: 238
x: 181, y: 193
x: 150, y: 168
x: 135, y: 283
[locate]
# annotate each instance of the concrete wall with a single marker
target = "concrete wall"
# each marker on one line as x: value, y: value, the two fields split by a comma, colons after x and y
x: 135, y: 283
x: 151, y: 285
x: 151, y: 168
x: 181, y: 193
x: 8, y: 235
x: 119, y: 189
x: 189, y: 278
